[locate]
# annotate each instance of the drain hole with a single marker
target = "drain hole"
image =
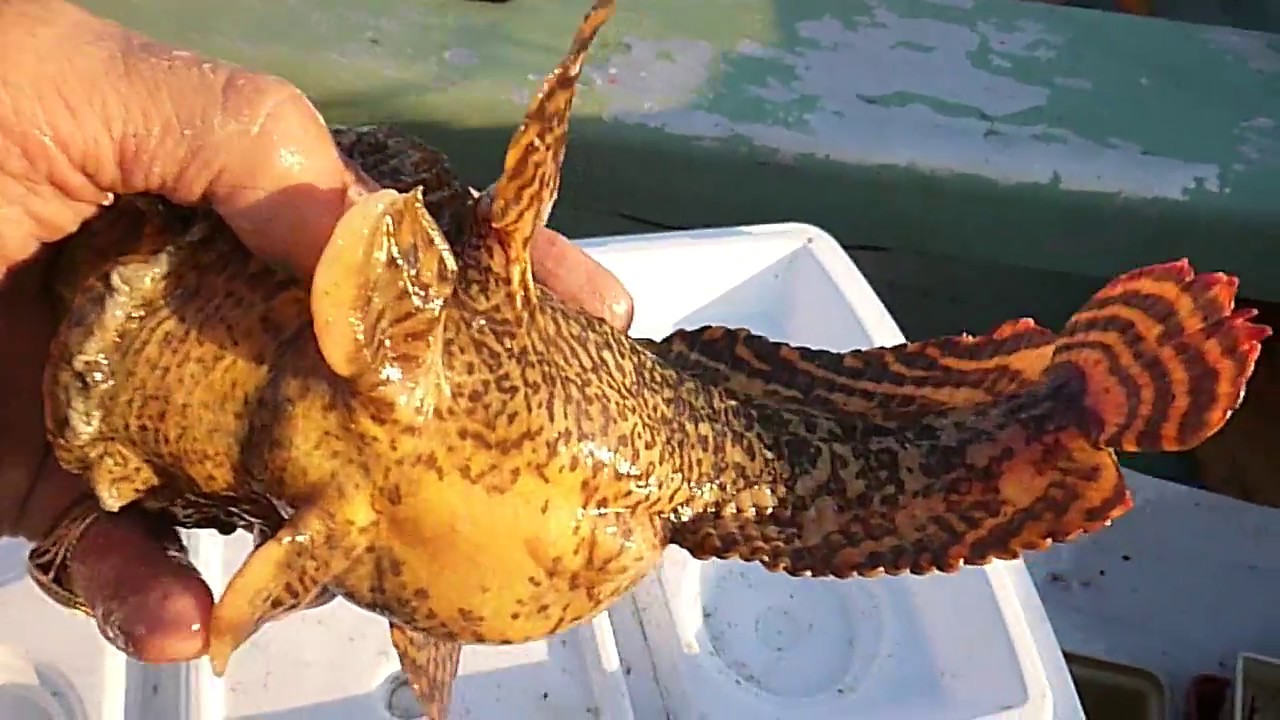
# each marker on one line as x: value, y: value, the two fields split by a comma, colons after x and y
x: 401, y: 703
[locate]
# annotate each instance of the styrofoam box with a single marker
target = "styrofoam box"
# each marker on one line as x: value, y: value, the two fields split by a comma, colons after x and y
x: 695, y: 640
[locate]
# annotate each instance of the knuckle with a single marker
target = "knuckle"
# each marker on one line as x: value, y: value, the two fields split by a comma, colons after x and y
x: 267, y: 104
x: 278, y: 127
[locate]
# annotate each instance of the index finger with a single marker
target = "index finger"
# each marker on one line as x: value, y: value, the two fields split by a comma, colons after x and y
x: 575, y: 277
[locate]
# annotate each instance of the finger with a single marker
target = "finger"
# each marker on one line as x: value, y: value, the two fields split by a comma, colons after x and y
x: 284, y: 210
x: 254, y: 147
x: 132, y: 572
x: 566, y: 270
x: 148, y: 600
x: 149, y: 118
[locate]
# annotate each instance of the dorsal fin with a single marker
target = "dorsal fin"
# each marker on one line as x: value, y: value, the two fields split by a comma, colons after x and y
x: 519, y: 203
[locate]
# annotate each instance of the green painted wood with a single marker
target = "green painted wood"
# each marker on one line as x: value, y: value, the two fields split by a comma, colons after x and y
x: 1017, y: 133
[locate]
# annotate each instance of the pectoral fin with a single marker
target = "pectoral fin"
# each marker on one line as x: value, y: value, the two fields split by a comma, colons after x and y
x: 378, y: 298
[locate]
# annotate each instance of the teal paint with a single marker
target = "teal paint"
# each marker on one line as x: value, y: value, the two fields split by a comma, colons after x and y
x: 1027, y: 136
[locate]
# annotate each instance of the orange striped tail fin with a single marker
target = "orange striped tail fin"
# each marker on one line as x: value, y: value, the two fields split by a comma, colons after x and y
x: 1164, y: 356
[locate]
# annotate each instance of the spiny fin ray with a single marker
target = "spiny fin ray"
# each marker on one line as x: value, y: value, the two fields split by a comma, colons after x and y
x: 883, y: 382
x: 430, y: 664
x: 520, y: 201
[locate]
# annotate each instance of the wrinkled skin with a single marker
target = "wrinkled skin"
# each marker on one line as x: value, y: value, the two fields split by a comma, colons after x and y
x: 120, y: 115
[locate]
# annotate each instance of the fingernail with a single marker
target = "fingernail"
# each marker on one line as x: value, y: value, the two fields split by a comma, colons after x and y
x: 620, y: 312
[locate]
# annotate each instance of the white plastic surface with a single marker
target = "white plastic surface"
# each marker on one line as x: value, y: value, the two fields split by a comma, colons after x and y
x: 694, y: 641
x: 47, y: 652
x: 731, y: 640
x: 22, y: 695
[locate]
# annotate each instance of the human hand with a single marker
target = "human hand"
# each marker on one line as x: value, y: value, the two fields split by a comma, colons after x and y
x: 121, y: 114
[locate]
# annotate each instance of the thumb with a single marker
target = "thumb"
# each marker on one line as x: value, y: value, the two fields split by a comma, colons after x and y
x: 147, y: 598
x: 128, y: 568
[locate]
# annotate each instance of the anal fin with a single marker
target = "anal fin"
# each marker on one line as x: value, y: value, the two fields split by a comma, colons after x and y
x: 430, y: 664
x: 957, y: 488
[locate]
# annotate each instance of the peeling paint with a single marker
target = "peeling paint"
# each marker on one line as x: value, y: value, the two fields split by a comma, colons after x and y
x: 1077, y: 83
x: 460, y: 56
x: 895, y: 90
x: 1027, y: 39
x: 1258, y: 140
x: 1255, y: 48
x: 656, y: 74
x: 991, y: 89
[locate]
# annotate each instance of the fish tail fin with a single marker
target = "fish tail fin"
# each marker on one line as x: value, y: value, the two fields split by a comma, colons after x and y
x: 1162, y: 357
